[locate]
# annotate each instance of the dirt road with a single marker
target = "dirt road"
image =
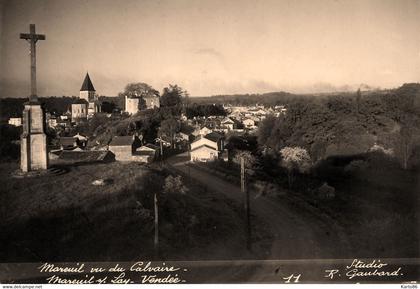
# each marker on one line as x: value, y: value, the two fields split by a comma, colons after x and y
x: 297, y: 235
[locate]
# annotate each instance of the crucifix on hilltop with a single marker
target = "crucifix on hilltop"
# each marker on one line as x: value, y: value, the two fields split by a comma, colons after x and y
x: 33, y: 144
x: 32, y: 38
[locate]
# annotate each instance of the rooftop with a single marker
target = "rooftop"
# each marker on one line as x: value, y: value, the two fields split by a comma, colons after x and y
x: 87, y: 84
x: 213, y: 136
x: 67, y: 141
x: 80, y: 101
x: 122, y: 141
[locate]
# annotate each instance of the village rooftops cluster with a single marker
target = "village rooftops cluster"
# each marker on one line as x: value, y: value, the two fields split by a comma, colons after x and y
x: 205, y: 140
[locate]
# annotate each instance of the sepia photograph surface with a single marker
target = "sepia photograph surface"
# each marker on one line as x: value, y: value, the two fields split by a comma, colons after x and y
x: 238, y: 141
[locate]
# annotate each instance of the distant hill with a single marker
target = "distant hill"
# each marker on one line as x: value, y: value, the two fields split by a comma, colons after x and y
x: 13, y: 107
x: 271, y: 98
x: 277, y: 98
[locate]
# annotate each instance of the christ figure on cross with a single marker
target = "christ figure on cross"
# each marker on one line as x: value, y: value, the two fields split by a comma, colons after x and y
x: 32, y: 38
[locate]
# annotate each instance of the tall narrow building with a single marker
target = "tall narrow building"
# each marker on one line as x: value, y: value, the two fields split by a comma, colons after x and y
x: 87, y: 91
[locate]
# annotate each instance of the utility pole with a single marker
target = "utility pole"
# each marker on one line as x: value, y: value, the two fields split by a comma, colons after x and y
x: 156, y: 239
x: 189, y: 160
x: 246, y: 204
x: 161, y: 152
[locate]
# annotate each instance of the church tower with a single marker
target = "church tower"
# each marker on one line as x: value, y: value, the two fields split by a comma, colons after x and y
x: 87, y: 91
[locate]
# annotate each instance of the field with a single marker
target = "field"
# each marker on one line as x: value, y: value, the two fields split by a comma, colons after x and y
x: 64, y: 217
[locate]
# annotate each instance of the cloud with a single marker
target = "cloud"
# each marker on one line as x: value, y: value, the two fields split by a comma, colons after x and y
x: 211, y: 52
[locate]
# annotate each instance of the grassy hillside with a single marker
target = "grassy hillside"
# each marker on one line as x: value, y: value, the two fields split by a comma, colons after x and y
x: 64, y: 217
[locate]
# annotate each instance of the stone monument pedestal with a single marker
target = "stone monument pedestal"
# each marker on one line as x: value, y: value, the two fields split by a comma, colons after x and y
x: 34, y: 155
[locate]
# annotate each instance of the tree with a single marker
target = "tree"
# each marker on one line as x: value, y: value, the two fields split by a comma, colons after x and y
x: 173, y: 95
x: 107, y: 107
x: 274, y: 132
x: 139, y: 90
x: 174, y: 185
x: 195, y: 110
x: 403, y: 107
x: 295, y: 159
x: 406, y: 140
x: 249, y: 159
x: 169, y: 127
x: 9, y: 149
x: 265, y: 129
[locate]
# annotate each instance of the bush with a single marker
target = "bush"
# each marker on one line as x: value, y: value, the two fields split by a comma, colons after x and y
x: 9, y: 149
x: 267, y: 189
x: 356, y: 166
x: 174, y: 185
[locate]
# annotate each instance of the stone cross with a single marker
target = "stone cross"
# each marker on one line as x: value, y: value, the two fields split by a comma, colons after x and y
x: 32, y: 38
x: 33, y: 143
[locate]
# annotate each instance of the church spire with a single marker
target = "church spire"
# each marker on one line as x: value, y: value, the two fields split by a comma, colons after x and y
x: 87, y: 84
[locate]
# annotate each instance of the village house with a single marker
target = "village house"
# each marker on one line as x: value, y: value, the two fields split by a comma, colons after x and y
x: 135, y: 104
x: 182, y: 136
x: 249, y: 123
x: 123, y: 147
x: 52, y: 122
x: 15, y: 121
x: 68, y: 143
x: 207, y: 148
x: 66, y: 115
x: 147, y: 153
x: 211, y: 122
x: 151, y: 102
x: 205, y: 130
x: 74, y: 142
x: 228, y: 123
x: 79, y: 110
x: 236, y: 115
x: 62, y: 123
x: 81, y: 140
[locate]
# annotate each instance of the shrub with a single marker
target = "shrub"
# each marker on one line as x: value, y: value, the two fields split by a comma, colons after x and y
x: 356, y: 166
x: 174, y: 185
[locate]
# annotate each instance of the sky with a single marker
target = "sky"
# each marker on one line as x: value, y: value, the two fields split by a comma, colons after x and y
x: 210, y: 47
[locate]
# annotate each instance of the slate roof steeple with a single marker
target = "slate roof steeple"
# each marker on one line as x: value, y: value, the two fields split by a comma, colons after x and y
x: 87, y: 84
